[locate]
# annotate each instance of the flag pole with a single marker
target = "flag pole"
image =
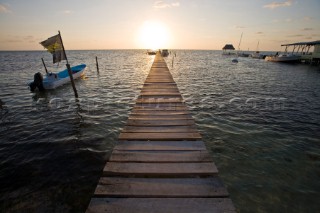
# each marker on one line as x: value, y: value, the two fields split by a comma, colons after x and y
x: 69, y: 68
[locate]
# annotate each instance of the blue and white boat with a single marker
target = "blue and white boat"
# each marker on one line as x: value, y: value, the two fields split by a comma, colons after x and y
x: 54, y: 45
x: 54, y: 80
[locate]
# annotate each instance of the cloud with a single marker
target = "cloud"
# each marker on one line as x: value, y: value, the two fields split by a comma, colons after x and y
x: 163, y: 5
x: 67, y: 12
x: 307, y: 18
x: 4, y: 9
x: 13, y: 41
x: 297, y: 35
x: 274, y: 5
x: 288, y: 20
x: 239, y: 27
x: 307, y: 29
x: 259, y: 33
x: 19, y: 39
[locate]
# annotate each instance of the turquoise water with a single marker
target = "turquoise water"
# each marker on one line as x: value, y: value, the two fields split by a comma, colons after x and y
x: 259, y: 120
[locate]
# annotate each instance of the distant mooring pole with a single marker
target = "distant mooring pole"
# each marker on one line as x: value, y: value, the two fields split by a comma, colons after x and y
x: 69, y: 69
x: 172, y: 61
x: 97, y: 64
x: 45, y: 67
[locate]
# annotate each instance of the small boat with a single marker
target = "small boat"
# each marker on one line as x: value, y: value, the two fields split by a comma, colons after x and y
x: 54, y: 45
x: 257, y: 54
x: 54, y: 80
x: 151, y: 52
x: 164, y: 53
x: 287, y: 57
x: 241, y: 54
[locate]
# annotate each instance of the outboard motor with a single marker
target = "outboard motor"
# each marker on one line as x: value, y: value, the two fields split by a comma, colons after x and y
x: 37, y: 82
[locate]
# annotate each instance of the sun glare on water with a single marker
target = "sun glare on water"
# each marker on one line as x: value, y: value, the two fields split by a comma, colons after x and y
x: 153, y: 35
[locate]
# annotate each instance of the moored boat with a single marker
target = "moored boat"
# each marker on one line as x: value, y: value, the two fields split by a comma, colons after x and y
x: 54, y: 80
x: 54, y: 45
x: 151, y: 52
x: 289, y: 58
x: 164, y: 53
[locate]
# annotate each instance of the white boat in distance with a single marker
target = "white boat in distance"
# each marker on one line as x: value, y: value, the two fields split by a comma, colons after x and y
x: 257, y: 53
x: 287, y: 57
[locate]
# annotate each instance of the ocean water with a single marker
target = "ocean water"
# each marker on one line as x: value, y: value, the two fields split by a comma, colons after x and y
x: 259, y: 120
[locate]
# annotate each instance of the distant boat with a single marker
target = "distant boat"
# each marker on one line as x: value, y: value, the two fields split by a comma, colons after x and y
x: 228, y: 50
x: 151, y: 52
x: 241, y: 54
x: 287, y: 57
x: 164, y: 53
x: 54, y: 80
x: 257, y: 53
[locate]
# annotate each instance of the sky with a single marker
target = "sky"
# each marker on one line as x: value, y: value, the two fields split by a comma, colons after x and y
x: 171, y: 24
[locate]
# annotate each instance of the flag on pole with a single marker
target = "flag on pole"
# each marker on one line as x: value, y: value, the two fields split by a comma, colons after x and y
x: 54, y: 46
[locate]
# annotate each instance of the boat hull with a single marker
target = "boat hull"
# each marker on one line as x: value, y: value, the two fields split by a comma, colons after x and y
x: 54, y: 80
x: 63, y: 77
x: 286, y: 59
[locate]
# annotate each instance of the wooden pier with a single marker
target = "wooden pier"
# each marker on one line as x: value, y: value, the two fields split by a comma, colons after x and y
x: 160, y: 164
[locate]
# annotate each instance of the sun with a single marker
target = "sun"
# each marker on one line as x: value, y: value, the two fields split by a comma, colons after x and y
x: 153, y: 35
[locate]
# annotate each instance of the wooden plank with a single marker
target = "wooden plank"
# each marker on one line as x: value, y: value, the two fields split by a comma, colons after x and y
x: 127, y: 129
x: 150, y: 108
x: 160, y: 169
x: 160, y: 156
x: 164, y: 136
x: 159, y: 112
x: 169, y: 90
x: 160, y: 117
x: 160, y: 122
x: 150, y: 85
x: 161, y: 105
x: 156, y: 94
x: 160, y: 187
x: 160, y: 145
x: 161, y: 205
x: 159, y: 100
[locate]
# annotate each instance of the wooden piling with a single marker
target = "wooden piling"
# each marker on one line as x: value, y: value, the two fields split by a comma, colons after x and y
x: 69, y: 69
x: 45, y: 67
x: 97, y: 65
x: 160, y: 163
